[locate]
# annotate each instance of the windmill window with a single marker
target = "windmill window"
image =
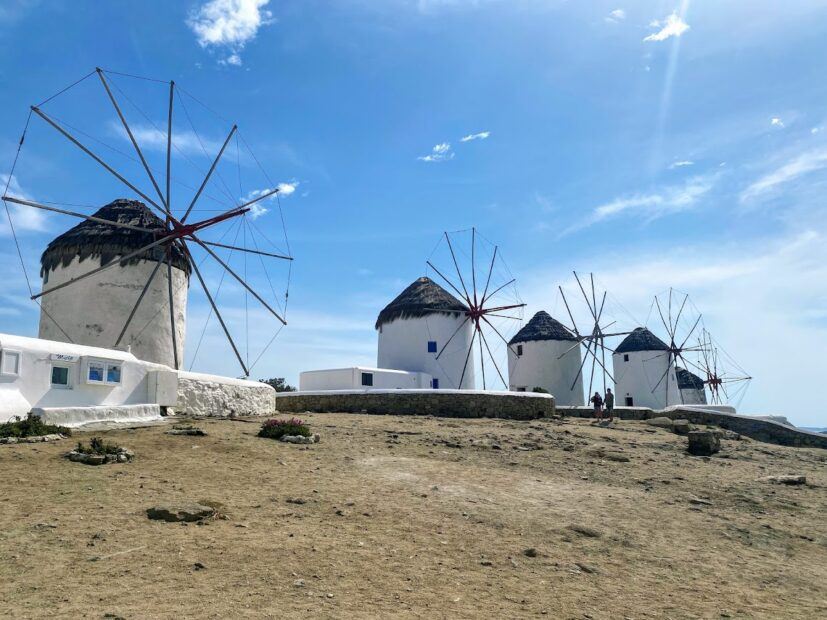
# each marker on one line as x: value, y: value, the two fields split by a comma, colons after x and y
x: 10, y: 363
x: 519, y: 350
x: 60, y: 376
x: 432, y: 346
x: 367, y: 379
x: 625, y: 357
x: 435, y: 384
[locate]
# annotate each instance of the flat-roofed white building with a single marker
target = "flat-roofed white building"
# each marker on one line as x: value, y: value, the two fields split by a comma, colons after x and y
x: 364, y: 378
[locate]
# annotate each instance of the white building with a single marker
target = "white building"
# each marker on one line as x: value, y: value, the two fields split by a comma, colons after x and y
x: 94, y: 310
x: 643, y: 372
x: 71, y: 384
x: 426, y: 329
x: 547, y: 355
x: 360, y: 377
x: 691, y: 387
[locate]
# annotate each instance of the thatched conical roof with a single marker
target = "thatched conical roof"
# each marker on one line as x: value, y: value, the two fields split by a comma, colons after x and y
x: 422, y: 297
x: 688, y: 380
x: 95, y: 240
x: 641, y: 339
x: 543, y: 327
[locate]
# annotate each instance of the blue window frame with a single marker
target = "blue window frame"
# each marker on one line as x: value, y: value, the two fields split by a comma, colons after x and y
x: 367, y: 379
x: 432, y: 346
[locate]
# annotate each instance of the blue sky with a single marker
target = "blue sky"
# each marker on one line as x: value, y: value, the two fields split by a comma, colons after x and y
x: 655, y: 143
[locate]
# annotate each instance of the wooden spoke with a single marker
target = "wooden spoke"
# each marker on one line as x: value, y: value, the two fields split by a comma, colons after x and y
x: 138, y: 303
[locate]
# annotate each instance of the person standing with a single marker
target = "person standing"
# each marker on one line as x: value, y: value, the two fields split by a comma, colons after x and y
x: 597, y: 399
x: 609, y: 400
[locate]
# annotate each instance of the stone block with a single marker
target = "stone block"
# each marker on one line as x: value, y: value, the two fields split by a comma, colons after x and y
x: 703, y: 443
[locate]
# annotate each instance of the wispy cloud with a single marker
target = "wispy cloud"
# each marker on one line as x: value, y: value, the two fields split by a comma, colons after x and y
x: 475, y: 136
x: 672, y: 26
x: 665, y: 201
x: 258, y: 209
x: 229, y: 25
x: 681, y: 164
x: 23, y: 218
x: 151, y: 139
x: 440, y: 152
x: 792, y: 170
x: 776, y: 122
x: 616, y: 16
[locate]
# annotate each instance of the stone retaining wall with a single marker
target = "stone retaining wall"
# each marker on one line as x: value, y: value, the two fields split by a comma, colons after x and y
x: 447, y: 403
x: 755, y: 428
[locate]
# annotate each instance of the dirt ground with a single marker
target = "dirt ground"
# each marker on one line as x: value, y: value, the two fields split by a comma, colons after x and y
x: 415, y: 517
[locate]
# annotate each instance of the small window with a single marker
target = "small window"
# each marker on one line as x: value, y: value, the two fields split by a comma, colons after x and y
x: 630, y: 402
x: 113, y: 373
x: 95, y: 372
x: 60, y: 376
x: 435, y: 384
x: 521, y: 388
x: 625, y: 357
x: 10, y: 363
x: 367, y: 379
x: 519, y: 350
x: 432, y: 346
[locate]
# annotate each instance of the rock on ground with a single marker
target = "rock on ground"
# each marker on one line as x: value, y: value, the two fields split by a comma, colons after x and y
x: 180, y: 512
x: 703, y: 443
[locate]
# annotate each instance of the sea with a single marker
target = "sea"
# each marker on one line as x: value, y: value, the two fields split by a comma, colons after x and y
x: 814, y: 429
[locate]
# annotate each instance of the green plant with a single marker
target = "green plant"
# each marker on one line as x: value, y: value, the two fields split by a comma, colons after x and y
x: 276, y: 429
x: 97, y: 446
x: 278, y: 384
x: 32, y: 426
x: 540, y: 390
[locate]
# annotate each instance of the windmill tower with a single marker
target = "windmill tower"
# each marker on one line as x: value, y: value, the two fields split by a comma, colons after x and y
x: 691, y: 387
x: 94, y: 312
x: 541, y: 355
x: 425, y: 330
x: 643, y: 371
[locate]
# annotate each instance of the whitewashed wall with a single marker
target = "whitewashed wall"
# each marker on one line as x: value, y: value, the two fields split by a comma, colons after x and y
x: 692, y: 396
x: 32, y: 386
x: 211, y: 395
x: 351, y: 378
x: 639, y: 376
x: 403, y: 345
x: 541, y: 366
x: 93, y: 311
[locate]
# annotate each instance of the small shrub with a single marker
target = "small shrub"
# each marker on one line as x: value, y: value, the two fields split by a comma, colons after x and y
x: 97, y: 446
x: 32, y: 426
x: 540, y: 390
x: 276, y: 429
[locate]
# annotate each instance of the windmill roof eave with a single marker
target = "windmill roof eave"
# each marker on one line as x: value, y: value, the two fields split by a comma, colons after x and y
x: 688, y: 380
x: 641, y: 339
x: 543, y: 326
x: 90, y: 239
x: 422, y: 297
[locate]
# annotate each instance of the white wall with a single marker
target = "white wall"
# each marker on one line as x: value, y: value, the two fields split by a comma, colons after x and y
x: 639, y: 376
x: 539, y: 366
x: 93, y: 311
x: 351, y: 379
x: 32, y: 386
x: 212, y: 395
x: 403, y: 345
x: 692, y: 396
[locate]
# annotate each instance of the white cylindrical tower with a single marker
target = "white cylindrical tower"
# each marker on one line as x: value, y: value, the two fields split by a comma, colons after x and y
x: 643, y: 372
x: 93, y: 311
x: 415, y: 328
x: 545, y: 354
x: 691, y: 388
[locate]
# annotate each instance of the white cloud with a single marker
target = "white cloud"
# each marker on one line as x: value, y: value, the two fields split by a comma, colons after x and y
x: 475, y: 136
x: 681, y: 164
x: 24, y: 218
x: 815, y: 130
x: 440, y: 152
x: 672, y: 26
x: 665, y: 201
x: 258, y: 209
x: 799, y: 166
x: 618, y: 15
x: 229, y: 25
x: 151, y: 139
x: 776, y: 122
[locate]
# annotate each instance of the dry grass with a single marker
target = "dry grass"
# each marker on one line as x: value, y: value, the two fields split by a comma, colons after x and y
x: 415, y: 517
